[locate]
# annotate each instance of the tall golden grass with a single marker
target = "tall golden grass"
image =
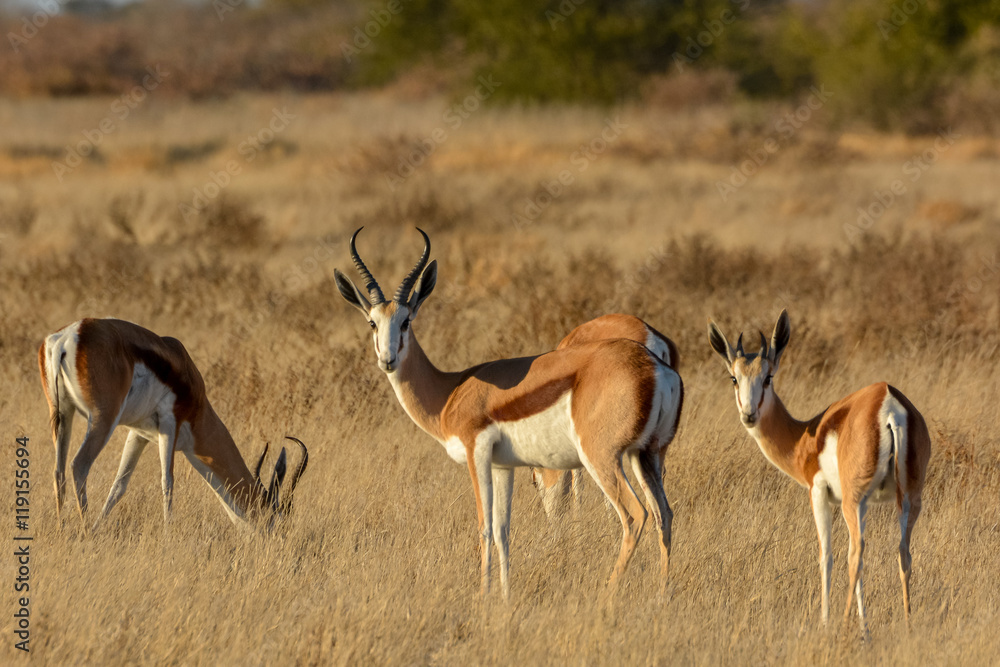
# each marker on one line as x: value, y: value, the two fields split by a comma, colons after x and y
x: 377, y: 564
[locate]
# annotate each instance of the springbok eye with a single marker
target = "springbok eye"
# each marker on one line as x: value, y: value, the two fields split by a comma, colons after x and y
x: 405, y: 325
x: 767, y: 380
x: 733, y: 378
x: 371, y: 323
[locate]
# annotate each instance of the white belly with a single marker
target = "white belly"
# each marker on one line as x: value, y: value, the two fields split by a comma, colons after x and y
x: 148, y: 401
x: 545, y: 440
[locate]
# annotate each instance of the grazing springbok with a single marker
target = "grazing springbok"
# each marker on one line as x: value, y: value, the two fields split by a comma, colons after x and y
x: 872, y: 445
x: 554, y: 485
x: 585, y: 405
x: 117, y: 373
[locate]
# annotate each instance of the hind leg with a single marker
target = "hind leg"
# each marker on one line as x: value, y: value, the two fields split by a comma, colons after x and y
x: 98, y: 433
x: 647, y: 466
x: 610, y: 477
x: 908, y: 510
x: 854, y: 517
x: 62, y: 430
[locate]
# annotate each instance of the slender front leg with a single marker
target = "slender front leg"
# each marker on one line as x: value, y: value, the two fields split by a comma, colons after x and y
x: 480, y: 460
x: 168, y: 436
x: 503, y: 488
x: 823, y: 514
x: 134, y: 446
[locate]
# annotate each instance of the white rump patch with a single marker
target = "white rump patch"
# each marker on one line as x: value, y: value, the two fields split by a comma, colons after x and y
x: 655, y: 345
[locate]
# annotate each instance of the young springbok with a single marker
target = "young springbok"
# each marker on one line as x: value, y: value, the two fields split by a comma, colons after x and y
x: 117, y: 373
x: 585, y: 405
x: 872, y: 445
x: 554, y: 485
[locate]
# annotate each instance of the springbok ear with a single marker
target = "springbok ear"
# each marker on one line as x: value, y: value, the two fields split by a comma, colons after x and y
x: 351, y: 293
x: 427, y: 282
x: 718, y: 341
x: 779, y: 339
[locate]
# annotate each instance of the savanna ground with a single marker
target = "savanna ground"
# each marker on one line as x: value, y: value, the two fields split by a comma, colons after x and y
x: 378, y: 564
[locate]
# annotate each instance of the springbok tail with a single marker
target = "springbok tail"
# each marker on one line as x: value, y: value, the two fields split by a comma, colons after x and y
x: 900, y: 442
x: 56, y: 355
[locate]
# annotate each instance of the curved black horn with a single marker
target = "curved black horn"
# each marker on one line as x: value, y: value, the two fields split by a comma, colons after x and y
x: 403, y: 293
x: 739, y: 346
x: 374, y: 291
x: 763, y: 344
x: 298, y: 471
x: 260, y: 462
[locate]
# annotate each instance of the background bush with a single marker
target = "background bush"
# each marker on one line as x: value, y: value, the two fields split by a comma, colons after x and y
x: 911, y: 65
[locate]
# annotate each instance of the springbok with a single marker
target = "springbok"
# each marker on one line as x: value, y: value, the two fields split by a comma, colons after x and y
x: 117, y: 373
x: 872, y: 445
x: 585, y: 405
x: 554, y: 485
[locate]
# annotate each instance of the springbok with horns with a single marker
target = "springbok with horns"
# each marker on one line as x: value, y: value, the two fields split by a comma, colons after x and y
x: 554, y: 485
x: 872, y: 445
x: 585, y: 405
x: 117, y: 373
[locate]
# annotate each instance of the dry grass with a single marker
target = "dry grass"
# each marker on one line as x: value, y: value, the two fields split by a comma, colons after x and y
x: 379, y: 565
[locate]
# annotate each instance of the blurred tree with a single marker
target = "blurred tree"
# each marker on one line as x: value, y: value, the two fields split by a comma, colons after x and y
x: 558, y: 50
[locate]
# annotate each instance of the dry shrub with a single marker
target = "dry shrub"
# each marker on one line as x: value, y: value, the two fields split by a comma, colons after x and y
x: 18, y: 215
x: 228, y: 222
x: 181, y: 154
x: 691, y: 88
x: 202, y: 55
x: 947, y: 212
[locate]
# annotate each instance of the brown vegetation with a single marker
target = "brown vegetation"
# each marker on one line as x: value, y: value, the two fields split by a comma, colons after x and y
x: 379, y: 564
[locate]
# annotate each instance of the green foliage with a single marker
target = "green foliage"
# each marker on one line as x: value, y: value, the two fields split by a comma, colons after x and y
x: 890, y: 63
x: 596, y: 50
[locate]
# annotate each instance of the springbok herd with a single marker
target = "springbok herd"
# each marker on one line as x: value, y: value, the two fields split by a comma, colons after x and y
x: 609, y: 393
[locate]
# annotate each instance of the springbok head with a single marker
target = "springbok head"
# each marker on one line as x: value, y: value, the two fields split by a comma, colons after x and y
x: 752, y: 372
x: 389, y: 320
